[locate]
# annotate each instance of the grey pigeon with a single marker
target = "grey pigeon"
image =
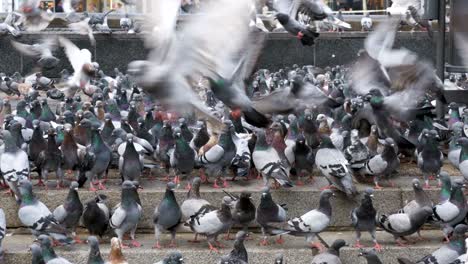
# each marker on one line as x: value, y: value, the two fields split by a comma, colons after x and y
x: 174, y: 257
x: 463, y: 158
x: 130, y: 163
x: 212, y: 223
x: 421, y: 199
x: 383, y: 165
x: 370, y: 256
x: 315, y: 221
x: 2, y: 232
x: 50, y: 159
x: 401, y: 224
x: 48, y: 252
x: 463, y: 258
x: 357, y: 153
x: 14, y: 163
x: 94, y: 256
x: 415, y: 20
x: 36, y: 253
x: 193, y: 203
x: 363, y: 219
x: 334, y: 166
x: 305, y: 34
x: 269, y: 212
x: 332, y: 255
x: 430, y: 157
x: 69, y: 213
x: 454, y: 148
x: 243, y: 210
x: 37, y: 217
x: 103, y: 157
x: 167, y: 215
x: 42, y: 52
x: 127, y: 214
x: 239, y: 253
x: 279, y: 259
x: 96, y: 215
x: 268, y: 162
x: 447, y: 253
x: 182, y: 159
x: 452, y: 211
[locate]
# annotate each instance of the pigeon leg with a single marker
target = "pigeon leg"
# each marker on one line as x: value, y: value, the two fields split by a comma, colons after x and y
x: 377, y: 246
x: 328, y: 187
x: 135, y: 244
x: 280, y: 240
x: 215, y: 184
x: 426, y: 184
x: 400, y: 242
x: 212, y: 248
x: 77, y: 239
x: 225, y: 184
x: 173, y: 243
x: 203, y: 176
x: 101, y: 186
x: 194, y: 239
x: 40, y: 183
x: 299, y: 181
x: 219, y: 244
x: 358, y: 240
x: 157, y: 245
x: 227, y: 237
x: 318, y: 245
x: 377, y: 186
x: 91, y: 187
x: 188, y: 187
x: 264, y: 242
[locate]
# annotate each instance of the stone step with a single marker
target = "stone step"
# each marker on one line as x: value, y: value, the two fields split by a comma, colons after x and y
x: 294, y: 249
x: 299, y: 199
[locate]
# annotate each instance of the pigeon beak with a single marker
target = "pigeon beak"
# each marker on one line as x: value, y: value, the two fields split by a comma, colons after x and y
x: 76, y: 189
x: 371, y: 196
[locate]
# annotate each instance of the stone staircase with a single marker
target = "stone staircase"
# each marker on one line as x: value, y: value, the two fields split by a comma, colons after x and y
x: 299, y: 200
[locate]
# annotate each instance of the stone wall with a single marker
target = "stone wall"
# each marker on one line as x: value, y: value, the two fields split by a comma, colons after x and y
x: 280, y: 49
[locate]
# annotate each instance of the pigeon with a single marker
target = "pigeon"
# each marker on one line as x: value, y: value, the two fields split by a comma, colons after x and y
x: 243, y: 211
x: 268, y: 162
x: 98, y: 19
x: 239, y: 253
x: 363, y: 219
x: 50, y: 159
x: 452, y: 211
x: 430, y: 158
x: 370, y: 256
x: 422, y: 199
x: 69, y: 213
x: 182, y: 159
x: 455, y: 148
x: 34, y: 18
x: 2, y: 233
x: 116, y: 256
x: 212, y: 223
x: 461, y: 259
x: 48, y: 253
x: 334, y: 166
x: 14, y: 164
x: 130, y: 163
x: 219, y: 157
x: 174, y: 257
x: 447, y: 253
x: 366, y: 23
x: 103, y: 158
x: 305, y: 34
x: 315, y: 221
x: 36, y: 253
x: 303, y: 158
x: 37, y: 143
x: 279, y: 259
x: 463, y: 158
x: 127, y: 214
x: 357, y: 153
x: 37, y: 217
x: 269, y: 212
x: 167, y: 216
x: 165, y: 146
x: 82, y: 66
x: 415, y: 20
x: 94, y: 256
x: 71, y: 151
x: 40, y: 51
x: 384, y: 164
x: 332, y: 255
x: 96, y: 216
x: 402, y: 224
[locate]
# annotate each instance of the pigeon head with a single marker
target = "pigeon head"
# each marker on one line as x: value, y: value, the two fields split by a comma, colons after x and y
x: 174, y: 257
x: 300, y: 140
x: 265, y: 191
x: 93, y: 243
x: 338, y: 244
x: 365, y: 253
x: 9, y: 141
x: 36, y: 253
x: 282, y: 18
x: 458, y: 183
x: 88, y: 69
x: 74, y: 186
x: 25, y: 187
x: 461, y: 229
x: 129, y: 138
x: 171, y: 186
x: 245, y: 195
x: 107, y: 117
x: 128, y: 185
x: 241, y: 235
x: 44, y: 241
x: 416, y: 184
x: 36, y: 123
x: 327, y: 194
x: 51, y: 132
x: 279, y: 259
x: 369, y: 192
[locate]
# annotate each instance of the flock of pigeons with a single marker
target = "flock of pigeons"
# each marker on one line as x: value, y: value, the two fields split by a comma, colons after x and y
x: 194, y: 104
